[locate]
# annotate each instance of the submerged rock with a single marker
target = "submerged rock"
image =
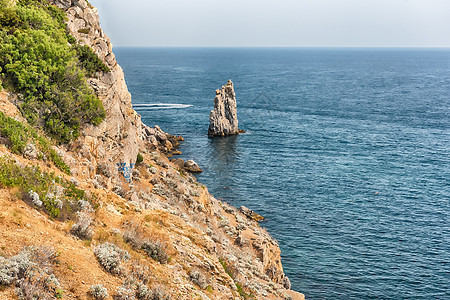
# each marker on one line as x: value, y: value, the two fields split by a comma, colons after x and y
x: 223, y: 119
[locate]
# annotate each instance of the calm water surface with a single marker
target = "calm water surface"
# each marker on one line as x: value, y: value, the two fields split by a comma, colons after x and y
x: 347, y: 155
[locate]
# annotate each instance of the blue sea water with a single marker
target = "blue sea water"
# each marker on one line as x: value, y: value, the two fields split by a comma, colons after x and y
x: 347, y: 155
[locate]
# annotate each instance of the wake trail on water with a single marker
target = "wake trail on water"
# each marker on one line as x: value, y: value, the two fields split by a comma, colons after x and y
x: 153, y: 106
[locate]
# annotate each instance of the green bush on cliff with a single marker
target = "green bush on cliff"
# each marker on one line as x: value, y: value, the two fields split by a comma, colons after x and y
x: 37, y: 60
x: 40, y: 189
x: 19, y: 135
x: 139, y: 159
x: 89, y: 60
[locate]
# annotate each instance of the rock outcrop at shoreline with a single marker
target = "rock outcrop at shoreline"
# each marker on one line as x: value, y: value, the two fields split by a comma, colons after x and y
x: 223, y: 119
x: 159, y: 226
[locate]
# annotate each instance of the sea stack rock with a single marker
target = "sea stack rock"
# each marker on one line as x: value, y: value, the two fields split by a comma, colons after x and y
x: 223, y: 119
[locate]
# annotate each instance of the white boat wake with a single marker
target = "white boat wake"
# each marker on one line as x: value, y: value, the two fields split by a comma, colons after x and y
x: 152, y: 106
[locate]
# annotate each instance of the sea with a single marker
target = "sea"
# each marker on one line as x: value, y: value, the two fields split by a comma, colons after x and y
x: 346, y: 154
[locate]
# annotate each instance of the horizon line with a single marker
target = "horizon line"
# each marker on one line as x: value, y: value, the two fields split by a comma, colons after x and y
x: 289, y: 47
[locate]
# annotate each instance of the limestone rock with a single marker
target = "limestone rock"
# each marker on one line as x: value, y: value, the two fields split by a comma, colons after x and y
x: 116, y: 140
x: 178, y: 162
x: 156, y: 138
x: 30, y: 151
x: 223, y: 119
x: 251, y: 214
x: 192, y: 166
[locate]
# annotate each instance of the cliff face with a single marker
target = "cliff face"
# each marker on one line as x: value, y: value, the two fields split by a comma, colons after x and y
x: 182, y: 239
x: 117, y: 139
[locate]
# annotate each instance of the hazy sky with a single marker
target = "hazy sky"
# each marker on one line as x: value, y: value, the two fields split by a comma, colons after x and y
x: 292, y: 23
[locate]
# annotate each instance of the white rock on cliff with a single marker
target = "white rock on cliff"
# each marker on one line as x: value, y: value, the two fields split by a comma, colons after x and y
x: 223, y: 119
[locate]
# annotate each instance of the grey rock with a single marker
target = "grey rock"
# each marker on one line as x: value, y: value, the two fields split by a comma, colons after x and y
x: 198, y: 278
x: 80, y: 3
x: 286, y: 283
x: 134, y: 198
x: 30, y: 151
x: 250, y: 214
x: 223, y: 119
x: 152, y: 139
x: 103, y: 169
x: 178, y: 162
x: 63, y: 4
x: 74, y: 181
x: 192, y: 166
x: 149, y: 131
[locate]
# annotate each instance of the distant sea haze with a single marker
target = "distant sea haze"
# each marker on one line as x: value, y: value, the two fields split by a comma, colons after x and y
x: 347, y: 155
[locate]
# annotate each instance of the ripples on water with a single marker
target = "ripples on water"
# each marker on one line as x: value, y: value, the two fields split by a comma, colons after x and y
x: 347, y: 155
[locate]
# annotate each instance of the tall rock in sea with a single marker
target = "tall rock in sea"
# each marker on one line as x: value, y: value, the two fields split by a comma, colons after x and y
x: 223, y: 119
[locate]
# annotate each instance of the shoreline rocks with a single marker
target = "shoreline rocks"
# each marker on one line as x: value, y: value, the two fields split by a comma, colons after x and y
x: 223, y: 119
x: 251, y: 214
x: 161, y: 140
x: 189, y: 165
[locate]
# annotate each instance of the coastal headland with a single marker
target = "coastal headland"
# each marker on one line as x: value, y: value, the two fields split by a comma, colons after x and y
x: 104, y: 213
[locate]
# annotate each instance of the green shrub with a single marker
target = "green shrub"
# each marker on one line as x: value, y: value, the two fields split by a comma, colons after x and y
x: 59, y: 163
x: 19, y: 135
x: 139, y: 159
x: 71, y: 39
x: 31, y: 181
x: 37, y: 61
x: 8, y: 16
x: 84, y: 30
x: 243, y: 293
x: 89, y: 60
x: 156, y: 250
x: 82, y: 228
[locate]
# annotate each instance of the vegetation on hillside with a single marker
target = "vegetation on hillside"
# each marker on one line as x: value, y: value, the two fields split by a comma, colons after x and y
x: 245, y: 293
x: 31, y: 271
x: 59, y: 198
x: 40, y: 60
x: 89, y: 60
x: 18, y: 136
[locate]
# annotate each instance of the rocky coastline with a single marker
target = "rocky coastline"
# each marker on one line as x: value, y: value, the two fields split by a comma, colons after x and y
x: 143, y: 200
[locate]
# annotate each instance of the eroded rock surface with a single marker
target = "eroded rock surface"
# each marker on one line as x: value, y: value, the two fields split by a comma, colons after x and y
x: 223, y: 119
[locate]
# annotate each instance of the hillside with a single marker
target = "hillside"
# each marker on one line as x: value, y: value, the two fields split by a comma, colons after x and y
x: 92, y: 207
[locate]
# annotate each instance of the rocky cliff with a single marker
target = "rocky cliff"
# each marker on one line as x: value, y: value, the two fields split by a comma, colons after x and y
x: 223, y: 119
x: 151, y: 231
